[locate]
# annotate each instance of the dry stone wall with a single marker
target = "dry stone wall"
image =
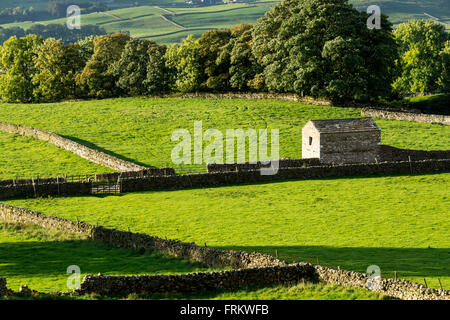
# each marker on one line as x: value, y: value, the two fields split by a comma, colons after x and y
x: 253, y: 96
x: 172, y: 182
x: 401, y: 289
x: 45, y: 190
x: 257, y: 276
x: 231, y: 178
x: 19, y: 215
x: 406, y: 116
x: 75, y: 147
x: 198, y: 282
x: 247, y: 166
x: 13, y: 182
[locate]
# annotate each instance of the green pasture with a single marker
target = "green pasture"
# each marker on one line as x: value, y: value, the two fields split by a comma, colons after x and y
x: 140, y: 129
x: 399, y: 223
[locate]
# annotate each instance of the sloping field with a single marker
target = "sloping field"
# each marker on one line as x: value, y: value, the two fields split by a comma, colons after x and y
x: 150, y: 20
x: 143, y: 27
x: 128, y: 13
x: 25, y: 157
x: 177, y: 36
x: 146, y: 21
x: 140, y: 129
x: 224, y: 19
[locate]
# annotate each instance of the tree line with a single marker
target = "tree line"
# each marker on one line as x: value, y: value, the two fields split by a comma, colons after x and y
x: 318, y: 48
x: 57, y: 31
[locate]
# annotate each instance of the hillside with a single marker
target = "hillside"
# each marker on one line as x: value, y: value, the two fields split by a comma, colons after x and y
x: 140, y: 129
x: 170, y: 21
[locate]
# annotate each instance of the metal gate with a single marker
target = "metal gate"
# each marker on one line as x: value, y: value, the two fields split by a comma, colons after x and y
x: 106, y: 187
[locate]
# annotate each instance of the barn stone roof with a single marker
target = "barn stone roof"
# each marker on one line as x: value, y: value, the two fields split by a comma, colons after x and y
x: 345, y: 125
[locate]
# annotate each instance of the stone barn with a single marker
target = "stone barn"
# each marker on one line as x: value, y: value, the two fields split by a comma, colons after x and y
x: 340, y: 141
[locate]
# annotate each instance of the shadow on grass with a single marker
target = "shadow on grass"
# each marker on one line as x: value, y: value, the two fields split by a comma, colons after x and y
x: 95, y: 147
x: 407, y: 262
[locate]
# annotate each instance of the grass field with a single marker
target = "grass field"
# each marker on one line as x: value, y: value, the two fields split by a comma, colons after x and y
x: 25, y: 157
x: 152, y: 19
x: 399, y: 223
x: 140, y: 129
x: 39, y: 258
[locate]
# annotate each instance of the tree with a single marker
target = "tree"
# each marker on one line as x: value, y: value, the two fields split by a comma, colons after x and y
x: 17, y: 68
x: 131, y: 68
x: 422, y: 56
x: 56, y: 65
x: 184, y: 63
x: 86, y: 48
x: 238, y: 57
x: 158, y: 75
x: 444, y: 78
x: 216, y: 76
x: 324, y: 48
x: 97, y: 76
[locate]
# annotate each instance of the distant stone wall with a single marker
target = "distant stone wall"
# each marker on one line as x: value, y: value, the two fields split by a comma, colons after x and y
x: 253, y: 96
x: 406, y: 116
x: 247, y: 166
x: 256, y: 268
x: 72, y: 146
